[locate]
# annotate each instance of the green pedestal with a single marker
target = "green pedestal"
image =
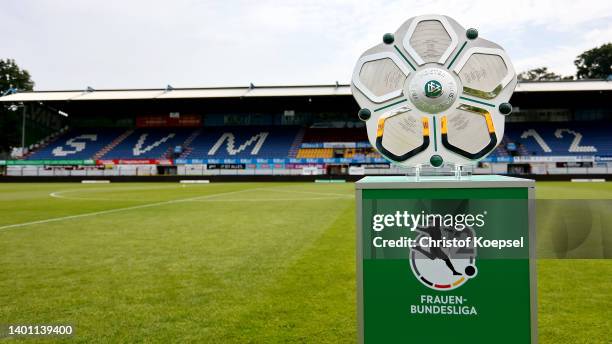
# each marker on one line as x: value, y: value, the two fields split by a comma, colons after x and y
x: 446, y: 261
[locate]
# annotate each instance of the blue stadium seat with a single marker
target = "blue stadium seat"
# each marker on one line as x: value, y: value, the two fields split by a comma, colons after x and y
x: 560, y: 138
x: 149, y: 143
x: 236, y: 142
x: 77, y: 144
x: 243, y: 142
x: 155, y: 143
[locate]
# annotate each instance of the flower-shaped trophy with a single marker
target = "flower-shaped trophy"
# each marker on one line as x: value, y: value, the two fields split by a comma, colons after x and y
x: 434, y: 93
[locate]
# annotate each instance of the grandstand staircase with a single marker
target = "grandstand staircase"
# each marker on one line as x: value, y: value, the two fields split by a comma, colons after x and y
x: 538, y: 139
x: 522, y: 151
x: 45, y: 142
x: 297, y: 143
x: 112, y: 145
x: 186, y: 148
x: 501, y: 149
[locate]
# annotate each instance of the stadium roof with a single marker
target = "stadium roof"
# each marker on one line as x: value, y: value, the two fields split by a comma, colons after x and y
x: 264, y: 91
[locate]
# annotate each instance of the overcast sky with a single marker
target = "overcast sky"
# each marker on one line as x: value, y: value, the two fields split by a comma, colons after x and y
x: 149, y: 44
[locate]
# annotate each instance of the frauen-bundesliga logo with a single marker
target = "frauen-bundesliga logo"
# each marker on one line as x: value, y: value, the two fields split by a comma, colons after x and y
x: 433, y: 89
x: 443, y: 268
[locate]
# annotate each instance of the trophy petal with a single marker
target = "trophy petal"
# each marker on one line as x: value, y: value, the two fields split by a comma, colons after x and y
x: 380, y: 77
x: 484, y: 72
x: 430, y: 39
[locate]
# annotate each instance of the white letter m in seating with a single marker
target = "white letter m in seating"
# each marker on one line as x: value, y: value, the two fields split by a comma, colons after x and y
x: 231, y: 140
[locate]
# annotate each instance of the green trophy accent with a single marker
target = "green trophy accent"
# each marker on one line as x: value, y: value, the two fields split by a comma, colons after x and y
x: 471, y: 33
x: 436, y: 160
x: 483, y: 94
x: 388, y: 38
x: 364, y: 114
x: 505, y: 108
x: 433, y: 89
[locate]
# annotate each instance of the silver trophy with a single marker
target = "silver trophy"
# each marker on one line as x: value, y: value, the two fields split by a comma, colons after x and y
x: 434, y: 93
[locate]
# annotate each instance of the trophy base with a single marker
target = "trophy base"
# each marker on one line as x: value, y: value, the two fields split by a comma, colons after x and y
x: 426, y: 172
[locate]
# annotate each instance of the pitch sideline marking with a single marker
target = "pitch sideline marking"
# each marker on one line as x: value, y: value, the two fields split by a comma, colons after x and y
x: 272, y: 199
x: 110, y: 211
x: 59, y: 194
x: 330, y: 195
x: 310, y: 192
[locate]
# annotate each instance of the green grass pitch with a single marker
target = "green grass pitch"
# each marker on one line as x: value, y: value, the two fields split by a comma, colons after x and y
x: 228, y: 263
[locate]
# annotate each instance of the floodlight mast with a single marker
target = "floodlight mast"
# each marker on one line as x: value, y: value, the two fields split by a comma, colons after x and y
x: 22, y: 105
x: 23, y: 125
x: 434, y: 94
x: 14, y: 108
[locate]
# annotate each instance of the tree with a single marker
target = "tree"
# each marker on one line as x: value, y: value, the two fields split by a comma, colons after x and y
x: 595, y: 63
x: 11, y: 76
x: 541, y: 74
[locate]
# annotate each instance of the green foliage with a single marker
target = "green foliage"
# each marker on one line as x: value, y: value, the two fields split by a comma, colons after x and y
x: 541, y: 74
x: 11, y: 76
x: 595, y: 63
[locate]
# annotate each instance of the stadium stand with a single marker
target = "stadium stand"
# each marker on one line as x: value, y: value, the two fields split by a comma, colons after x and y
x: 307, y: 153
x: 335, y: 135
x: 76, y: 144
x: 555, y: 128
x: 224, y: 142
x: 357, y: 153
x: 559, y: 139
x: 148, y: 143
x: 243, y: 142
x: 24, y: 154
x: 113, y: 144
